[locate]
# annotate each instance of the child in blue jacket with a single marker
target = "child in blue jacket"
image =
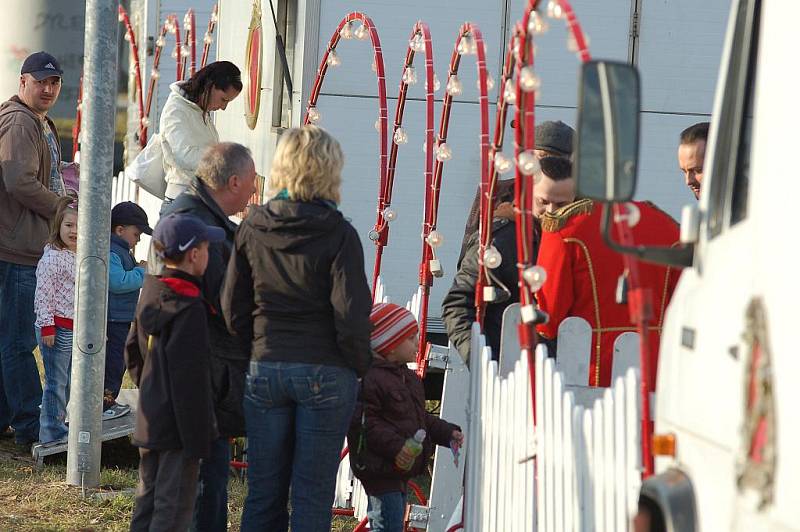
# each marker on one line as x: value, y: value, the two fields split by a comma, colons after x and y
x: 125, y: 278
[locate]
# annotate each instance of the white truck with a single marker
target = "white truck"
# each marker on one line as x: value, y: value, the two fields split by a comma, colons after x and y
x: 726, y: 432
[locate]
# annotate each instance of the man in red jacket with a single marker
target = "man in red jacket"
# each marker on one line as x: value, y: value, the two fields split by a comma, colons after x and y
x: 583, y: 272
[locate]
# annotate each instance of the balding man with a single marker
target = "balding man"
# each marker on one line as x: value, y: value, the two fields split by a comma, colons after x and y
x: 224, y: 184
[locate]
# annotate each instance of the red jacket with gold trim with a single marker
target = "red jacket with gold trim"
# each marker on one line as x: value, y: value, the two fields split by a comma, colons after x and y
x: 582, y: 276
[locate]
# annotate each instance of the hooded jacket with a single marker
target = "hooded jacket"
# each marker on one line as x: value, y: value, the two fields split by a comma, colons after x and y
x: 26, y: 202
x: 167, y: 356
x: 229, y: 355
x: 296, y: 287
x: 185, y: 135
x: 390, y: 409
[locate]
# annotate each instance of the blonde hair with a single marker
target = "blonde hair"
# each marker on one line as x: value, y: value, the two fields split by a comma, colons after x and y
x: 66, y: 204
x: 308, y: 164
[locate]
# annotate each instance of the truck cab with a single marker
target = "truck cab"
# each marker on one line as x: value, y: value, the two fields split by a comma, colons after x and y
x: 725, y: 434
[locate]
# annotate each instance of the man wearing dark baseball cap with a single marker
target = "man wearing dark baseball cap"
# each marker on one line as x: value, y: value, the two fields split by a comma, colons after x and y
x: 30, y: 187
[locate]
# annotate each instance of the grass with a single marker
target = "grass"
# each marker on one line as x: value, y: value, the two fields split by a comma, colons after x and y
x: 34, y: 499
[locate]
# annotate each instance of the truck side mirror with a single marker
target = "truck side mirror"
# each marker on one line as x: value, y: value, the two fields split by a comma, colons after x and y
x: 607, y: 150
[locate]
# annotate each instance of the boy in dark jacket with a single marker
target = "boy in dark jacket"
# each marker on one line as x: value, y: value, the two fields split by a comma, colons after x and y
x: 390, y: 410
x: 167, y: 355
x: 125, y: 279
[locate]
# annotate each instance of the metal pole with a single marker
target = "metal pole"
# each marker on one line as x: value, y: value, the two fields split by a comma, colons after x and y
x: 94, y: 219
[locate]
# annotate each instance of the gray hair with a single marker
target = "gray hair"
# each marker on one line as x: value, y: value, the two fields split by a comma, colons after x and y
x: 221, y: 161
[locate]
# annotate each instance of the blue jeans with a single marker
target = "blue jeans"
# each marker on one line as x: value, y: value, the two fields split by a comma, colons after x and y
x: 57, y: 367
x: 116, y: 336
x: 211, y: 504
x: 20, y: 388
x: 296, y: 417
x: 386, y: 511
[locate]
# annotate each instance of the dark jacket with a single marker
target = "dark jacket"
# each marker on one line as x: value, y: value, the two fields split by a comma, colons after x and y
x: 229, y: 355
x: 296, y: 286
x: 504, y: 191
x: 458, y: 307
x: 390, y: 409
x: 124, y: 284
x: 26, y: 202
x: 167, y: 355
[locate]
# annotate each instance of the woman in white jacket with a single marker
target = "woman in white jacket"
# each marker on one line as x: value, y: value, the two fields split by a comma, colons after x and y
x: 186, y: 125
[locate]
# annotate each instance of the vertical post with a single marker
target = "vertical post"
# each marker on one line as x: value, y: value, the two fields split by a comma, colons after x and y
x: 91, y: 289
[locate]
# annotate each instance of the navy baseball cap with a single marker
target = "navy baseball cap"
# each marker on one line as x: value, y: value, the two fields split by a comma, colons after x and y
x: 179, y: 233
x: 41, y: 65
x: 128, y: 213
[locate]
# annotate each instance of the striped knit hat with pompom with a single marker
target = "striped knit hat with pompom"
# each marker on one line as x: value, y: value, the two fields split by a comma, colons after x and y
x: 391, y: 325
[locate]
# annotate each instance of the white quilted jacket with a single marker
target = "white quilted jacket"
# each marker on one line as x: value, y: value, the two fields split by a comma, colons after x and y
x: 184, y: 137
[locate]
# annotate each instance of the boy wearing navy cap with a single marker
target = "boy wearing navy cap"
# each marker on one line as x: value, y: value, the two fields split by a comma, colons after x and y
x: 125, y: 279
x: 167, y: 355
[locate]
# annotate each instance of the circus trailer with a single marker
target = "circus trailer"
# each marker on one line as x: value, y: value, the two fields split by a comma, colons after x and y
x: 676, y: 44
x: 726, y: 436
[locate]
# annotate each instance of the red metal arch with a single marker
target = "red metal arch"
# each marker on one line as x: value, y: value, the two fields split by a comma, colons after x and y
x: 208, y: 37
x: 190, y: 42
x: 378, y: 234
x: 131, y: 37
x: 469, y: 40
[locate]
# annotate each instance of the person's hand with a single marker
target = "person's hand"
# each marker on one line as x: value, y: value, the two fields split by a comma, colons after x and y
x: 504, y: 210
x: 457, y: 437
x: 49, y: 341
x: 143, y: 263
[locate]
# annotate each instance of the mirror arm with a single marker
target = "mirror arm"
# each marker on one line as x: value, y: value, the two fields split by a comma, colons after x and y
x: 681, y: 257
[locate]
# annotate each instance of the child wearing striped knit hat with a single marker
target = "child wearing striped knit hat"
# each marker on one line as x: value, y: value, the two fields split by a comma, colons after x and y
x: 390, y: 410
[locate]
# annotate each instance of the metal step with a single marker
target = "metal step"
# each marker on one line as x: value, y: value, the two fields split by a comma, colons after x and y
x: 112, y: 428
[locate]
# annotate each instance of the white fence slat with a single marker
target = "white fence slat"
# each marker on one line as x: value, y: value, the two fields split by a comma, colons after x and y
x: 549, y: 487
x: 541, y: 447
x: 589, y: 481
x: 599, y: 467
x: 568, y: 462
x: 634, y: 463
x: 510, y: 350
x: 608, y: 459
x: 626, y: 354
x: 558, y: 451
x: 574, y: 350
x: 620, y: 477
x: 531, y: 437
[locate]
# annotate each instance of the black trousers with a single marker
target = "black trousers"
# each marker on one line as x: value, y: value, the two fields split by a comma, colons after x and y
x: 166, y: 491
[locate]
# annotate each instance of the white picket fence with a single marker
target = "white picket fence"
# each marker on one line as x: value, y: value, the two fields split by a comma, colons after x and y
x: 586, y: 442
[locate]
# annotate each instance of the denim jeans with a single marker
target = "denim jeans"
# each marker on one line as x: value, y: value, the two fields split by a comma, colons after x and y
x: 296, y: 417
x: 211, y: 505
x: 20, y: 388
x: 116, y: 335
x: 57, y: 362
x: 386, y: 511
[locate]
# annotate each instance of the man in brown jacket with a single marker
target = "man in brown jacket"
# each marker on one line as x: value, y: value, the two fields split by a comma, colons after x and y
x: 30, y: 185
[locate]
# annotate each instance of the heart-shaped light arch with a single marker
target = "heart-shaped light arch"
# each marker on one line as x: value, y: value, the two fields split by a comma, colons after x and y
x: 379, y: 234
x: 468, y: 41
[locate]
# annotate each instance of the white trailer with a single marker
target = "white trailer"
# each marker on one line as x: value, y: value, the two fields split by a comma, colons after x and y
x: 726, y: 433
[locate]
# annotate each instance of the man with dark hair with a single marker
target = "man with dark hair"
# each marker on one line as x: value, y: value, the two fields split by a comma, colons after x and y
x: 691, y: 155
x: 554, y: 188
x: 30, y: 186
x: 553, y: 138
x: 225, y: 181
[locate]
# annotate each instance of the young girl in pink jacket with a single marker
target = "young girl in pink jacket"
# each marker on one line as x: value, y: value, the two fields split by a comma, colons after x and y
x: 54, y: 306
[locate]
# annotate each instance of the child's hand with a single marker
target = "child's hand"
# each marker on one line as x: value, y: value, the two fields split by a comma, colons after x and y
x: 49, y: 341
x: 457, y: 437
x: 143, y: 263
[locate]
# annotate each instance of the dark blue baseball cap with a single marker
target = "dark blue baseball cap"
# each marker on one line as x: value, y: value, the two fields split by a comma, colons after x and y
x: 179, y: 233
x: 129, y: 213
x: 41, y: 65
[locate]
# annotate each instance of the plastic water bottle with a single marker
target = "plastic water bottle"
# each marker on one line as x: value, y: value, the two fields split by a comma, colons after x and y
x: 411, y: 449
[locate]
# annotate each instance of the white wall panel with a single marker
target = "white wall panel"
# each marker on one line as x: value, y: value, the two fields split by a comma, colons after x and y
x: 679, y: 53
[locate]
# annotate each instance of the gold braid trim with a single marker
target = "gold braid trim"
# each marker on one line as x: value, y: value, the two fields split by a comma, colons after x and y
x: 598, y: 328
x: 554, y: 222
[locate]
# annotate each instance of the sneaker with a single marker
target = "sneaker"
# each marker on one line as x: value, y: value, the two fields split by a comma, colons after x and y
x: 115, y: 410
x: 7, y: 433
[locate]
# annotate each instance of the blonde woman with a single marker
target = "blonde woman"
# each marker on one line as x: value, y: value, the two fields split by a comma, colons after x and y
x: 296, y: 290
